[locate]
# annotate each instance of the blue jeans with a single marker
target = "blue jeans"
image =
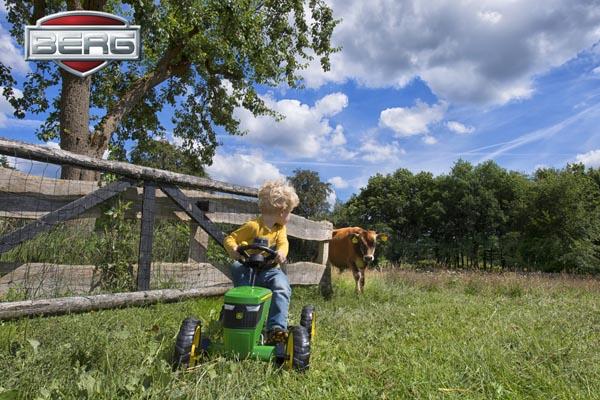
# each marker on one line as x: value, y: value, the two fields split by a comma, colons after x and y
x: 274, y: 279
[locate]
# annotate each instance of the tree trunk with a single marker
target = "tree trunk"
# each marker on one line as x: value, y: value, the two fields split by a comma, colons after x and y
x: 485, y: 259
x: 75, y: 111
x: 74, y: 125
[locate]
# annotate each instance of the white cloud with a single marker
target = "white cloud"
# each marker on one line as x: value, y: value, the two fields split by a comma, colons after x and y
x: 10, y: 55
x: 338, y: 182
x: 590, y: 159
x: 459, y: 128
x: 360, y: 182
x: 337, y: 136
x: 331, y: 199
x: 374, y: 152
x: 492, y: 17
x: 343, y: 153
x: 331, y: 104
x: 304, y: 132
x: 483, y: 52
x: 414, y: 120
x: 429, y: 140
x: 52, y: 145
x: 242, y: 169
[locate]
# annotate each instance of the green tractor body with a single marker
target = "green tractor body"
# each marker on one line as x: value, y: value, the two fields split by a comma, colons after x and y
x: 244, y: 314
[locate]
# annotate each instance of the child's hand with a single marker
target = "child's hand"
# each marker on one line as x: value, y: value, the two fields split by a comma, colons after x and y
x: 279, y: 258
x: 234, y: 254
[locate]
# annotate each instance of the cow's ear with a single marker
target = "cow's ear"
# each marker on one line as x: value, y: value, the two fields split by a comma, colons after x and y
x: 354, y: 238
x: 383, y: 237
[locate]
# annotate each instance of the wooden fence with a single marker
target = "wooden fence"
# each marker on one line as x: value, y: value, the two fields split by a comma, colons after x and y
x: 154, y: 194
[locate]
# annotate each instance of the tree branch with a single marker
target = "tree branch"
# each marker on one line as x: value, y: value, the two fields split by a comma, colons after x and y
x: 136, y: 92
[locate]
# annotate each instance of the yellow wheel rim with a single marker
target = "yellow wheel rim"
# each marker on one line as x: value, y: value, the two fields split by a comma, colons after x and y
x: 195, y: 346
x: 289, y: 352
x: 313, y: 327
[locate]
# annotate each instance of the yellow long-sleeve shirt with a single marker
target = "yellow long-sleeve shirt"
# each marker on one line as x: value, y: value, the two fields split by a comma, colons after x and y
x: 277, y: 235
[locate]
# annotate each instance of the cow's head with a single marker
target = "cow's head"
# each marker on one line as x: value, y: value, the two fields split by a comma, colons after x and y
x: 365, y: 242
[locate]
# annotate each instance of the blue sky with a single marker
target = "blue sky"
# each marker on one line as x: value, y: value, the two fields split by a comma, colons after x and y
x: 417, y: 85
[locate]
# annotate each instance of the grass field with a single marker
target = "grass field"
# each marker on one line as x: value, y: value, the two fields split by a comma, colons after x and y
x: 411, y: 335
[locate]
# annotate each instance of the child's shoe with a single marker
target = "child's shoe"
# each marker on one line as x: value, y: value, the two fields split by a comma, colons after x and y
x: 276, y: 335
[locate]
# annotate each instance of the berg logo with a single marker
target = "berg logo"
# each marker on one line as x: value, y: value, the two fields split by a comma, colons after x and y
x: 82, y: 42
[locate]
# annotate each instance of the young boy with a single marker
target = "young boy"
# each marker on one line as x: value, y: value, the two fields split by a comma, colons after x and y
x: 276, y: 200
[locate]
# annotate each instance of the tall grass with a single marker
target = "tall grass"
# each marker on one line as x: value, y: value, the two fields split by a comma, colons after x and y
x: 411, y: 335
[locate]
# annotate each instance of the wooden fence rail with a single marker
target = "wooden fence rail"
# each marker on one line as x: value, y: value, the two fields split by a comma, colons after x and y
x: 27, y: 151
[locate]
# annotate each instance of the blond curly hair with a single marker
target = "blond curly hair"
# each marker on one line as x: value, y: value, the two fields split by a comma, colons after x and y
x: 277, y: 195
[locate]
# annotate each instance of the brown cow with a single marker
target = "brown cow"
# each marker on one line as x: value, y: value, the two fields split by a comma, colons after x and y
x: 354, y: 248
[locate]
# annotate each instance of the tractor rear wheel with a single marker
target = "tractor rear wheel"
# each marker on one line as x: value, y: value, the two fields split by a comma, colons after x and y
x: 187, y: 344
x: 297, y: 349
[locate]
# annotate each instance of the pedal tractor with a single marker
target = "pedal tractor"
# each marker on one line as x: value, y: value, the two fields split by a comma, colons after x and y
x: 243, y: 317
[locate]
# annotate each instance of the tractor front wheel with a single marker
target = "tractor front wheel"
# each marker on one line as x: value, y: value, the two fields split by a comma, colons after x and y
x: 187, y: 345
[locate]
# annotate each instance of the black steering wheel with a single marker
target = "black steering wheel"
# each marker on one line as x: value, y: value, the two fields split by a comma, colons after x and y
x: 257, y: 260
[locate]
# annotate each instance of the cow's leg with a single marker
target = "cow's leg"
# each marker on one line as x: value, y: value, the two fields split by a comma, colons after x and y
x: 356, y: 274
x: 361, y: 282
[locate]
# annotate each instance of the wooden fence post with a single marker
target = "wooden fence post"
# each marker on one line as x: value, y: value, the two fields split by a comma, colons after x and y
x: 147, y: 233
x: 198, y: 244
x: 323, y: 255
x: 325, y: 285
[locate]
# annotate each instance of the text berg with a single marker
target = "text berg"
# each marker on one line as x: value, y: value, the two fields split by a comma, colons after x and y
x: 70, y: 43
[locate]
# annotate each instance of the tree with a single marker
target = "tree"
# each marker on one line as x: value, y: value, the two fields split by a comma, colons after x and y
x: 563, y: 228
x: 164, y: 155
x: 203, y: 58
x: 312, y: 193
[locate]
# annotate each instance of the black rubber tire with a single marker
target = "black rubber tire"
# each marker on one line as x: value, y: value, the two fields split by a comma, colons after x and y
x: 183, y: 343
x: 301, y: 343
x: 307, y: 317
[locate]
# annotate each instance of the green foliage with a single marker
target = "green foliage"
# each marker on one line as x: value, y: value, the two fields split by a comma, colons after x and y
x: 4, y: 162
x: 411, y: 336
x: 114, y: 255
x: 64, y: 244
x: 163, y: 155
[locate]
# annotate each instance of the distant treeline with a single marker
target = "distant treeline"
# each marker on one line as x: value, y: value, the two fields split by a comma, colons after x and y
x: 484, y: 216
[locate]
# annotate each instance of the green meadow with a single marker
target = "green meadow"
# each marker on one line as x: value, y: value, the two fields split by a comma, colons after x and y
x: 412, y: 335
